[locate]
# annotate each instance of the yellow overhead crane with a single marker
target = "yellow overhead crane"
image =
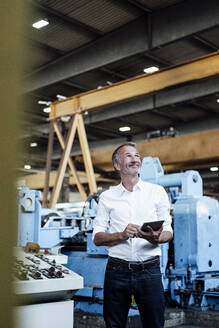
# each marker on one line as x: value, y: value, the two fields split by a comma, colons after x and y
x: 75, y: 106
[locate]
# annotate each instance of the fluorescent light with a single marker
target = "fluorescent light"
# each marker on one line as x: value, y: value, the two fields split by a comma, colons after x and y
x: 61, y: 97
x: 41, y: 23
x: 27, y: 166
x: 214, y: 168
x: 47, y: 110
x: 43, y: 102
x: 33, y: 144
x: 124, y: 128
x: 151, y: 69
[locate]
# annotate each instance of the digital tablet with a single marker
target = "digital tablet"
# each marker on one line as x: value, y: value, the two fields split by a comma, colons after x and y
x: 155, y: 225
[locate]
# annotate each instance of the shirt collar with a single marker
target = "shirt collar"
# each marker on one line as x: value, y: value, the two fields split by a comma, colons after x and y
x: 122, y: 189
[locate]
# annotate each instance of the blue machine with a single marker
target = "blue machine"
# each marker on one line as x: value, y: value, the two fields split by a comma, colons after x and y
x: 192, y: 274
x: 189, y: 265
x: 41, y: 225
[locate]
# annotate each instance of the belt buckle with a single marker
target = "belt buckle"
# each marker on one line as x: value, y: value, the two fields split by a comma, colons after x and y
x: 129, y: 266
x: 133, y: 266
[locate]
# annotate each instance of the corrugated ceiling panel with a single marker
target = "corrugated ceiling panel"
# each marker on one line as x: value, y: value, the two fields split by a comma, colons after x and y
x: 151, y: 119
x: 184, y: 113
x: 115, y: 124
x: 132, y: 66
x: 60, y: 89
x: 60, y: 37
x: 105, y: 15
x: 64, y: 7
x: 212, y: 36
x: 209, y: 102
x: 93, y: 79
x: 179, y: 52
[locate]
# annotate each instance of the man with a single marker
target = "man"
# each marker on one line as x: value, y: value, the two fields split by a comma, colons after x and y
x: 133, y: 266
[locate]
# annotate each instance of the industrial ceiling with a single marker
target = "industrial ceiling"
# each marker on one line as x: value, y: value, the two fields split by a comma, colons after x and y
x: 90, y: 44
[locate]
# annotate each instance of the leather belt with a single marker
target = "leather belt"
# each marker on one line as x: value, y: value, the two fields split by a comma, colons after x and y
x: 135, y: 265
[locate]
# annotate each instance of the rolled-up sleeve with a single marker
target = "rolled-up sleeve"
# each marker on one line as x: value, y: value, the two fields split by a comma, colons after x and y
x: 101, y: 221
x: 163, y: 209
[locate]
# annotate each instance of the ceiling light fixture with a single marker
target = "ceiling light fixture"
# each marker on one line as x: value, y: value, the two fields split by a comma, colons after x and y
x: 214, y: 169
x: 217, y: 100
x: 27, y: 166
x: 41, y: 23
x: 151, y: 69
x: 124, y: 128
x: 33, y: 144
x: 47, y: 110
x: 44, y: 102
x: 61, y: 97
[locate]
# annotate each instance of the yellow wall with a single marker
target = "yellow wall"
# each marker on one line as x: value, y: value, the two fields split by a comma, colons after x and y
x: 11, y: 18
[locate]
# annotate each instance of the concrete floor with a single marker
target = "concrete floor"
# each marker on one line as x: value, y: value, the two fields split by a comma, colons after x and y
x: 175, y: 318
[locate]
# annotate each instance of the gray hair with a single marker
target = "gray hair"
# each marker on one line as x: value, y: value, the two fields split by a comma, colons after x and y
x: 115, y: 155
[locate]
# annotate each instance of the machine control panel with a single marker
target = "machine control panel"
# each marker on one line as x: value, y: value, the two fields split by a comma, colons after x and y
x: 33, y: 267
x: 39, y: 273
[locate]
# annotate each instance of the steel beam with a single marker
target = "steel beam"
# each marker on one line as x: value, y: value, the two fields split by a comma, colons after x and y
x: 129, y: 40
x: 140, y: 5
x: 205, y: 43
x: 201, y: 68
x: 48, y: 166
x: 187, y: 92
x: 167, y: 97
x: 202, y: 125
x: 182, y: 129
x: 170, y: 150
x: 119, y: 110
x: 183, y: 19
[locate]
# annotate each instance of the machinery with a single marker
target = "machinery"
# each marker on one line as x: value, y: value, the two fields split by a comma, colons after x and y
x: 189, y: 264
x: 191, y: 274
x: 43, y: 286
x: 39, y: 277
x: 69, y: 229
x: 43, y: 290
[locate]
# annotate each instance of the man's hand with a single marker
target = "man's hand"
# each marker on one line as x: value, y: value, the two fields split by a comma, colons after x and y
x: 152, y: 236
x: 131, y: 231
x: 111, y: 239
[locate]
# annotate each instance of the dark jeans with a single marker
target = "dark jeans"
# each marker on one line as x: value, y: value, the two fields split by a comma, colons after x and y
x: 146, y: 286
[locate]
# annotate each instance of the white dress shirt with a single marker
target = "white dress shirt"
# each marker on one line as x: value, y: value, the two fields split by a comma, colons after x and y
x: 118, y: 207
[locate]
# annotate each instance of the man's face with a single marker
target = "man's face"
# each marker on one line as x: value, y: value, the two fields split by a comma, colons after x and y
x: 129, y: 161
